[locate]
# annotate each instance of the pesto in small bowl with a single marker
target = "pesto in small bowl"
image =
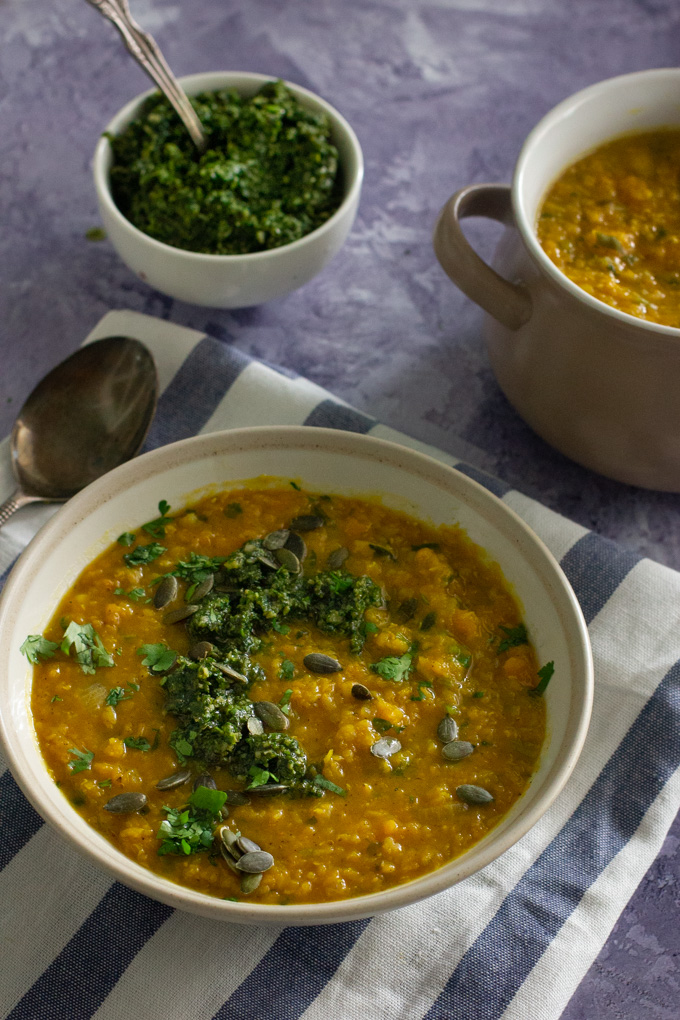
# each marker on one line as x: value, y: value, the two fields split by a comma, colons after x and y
x: 270, y: 174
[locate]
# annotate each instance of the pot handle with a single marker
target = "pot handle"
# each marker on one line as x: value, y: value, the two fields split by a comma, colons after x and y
x: 510, y: 303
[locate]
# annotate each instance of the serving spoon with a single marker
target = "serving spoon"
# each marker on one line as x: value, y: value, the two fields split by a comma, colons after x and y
x: 87, y: 416
x: 146, y: 52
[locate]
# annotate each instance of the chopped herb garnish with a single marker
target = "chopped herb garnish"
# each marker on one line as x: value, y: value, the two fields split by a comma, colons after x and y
x: 206, y: 799
x: 284, y: 703
x: 513, y: 636
x: 127, y: 538
x: 88, y: 651
x: 104, y: 784
x: 326, y: 784
x: 137, y: 743
x: 54, y: 698
x: 394, y: 668
x: 135, y: 594
x: 428, y: 621
x: 609, y: 241
x: 296, y: 486
x: 157, y: 657
x: 280, y: 628
x: 383, y: 725
x: 156, y: 528
x: 286, y: 670
x: 144, y: 554
x: 478, y: 694
x: 545, y: 673
x: 423, y: 685
x: 186, y: 831
x: 36, y: 647
x: 82, y: 759
x: 259, y: 777
x: 381, y: 550
x: 116, y: 695
x: 233, y: 510
x: 369, y: 628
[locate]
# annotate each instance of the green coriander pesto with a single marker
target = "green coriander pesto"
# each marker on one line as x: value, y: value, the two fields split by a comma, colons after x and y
x: 269, y: 176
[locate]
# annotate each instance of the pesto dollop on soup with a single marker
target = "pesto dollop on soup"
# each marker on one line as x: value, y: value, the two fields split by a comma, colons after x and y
x: 269, y: 176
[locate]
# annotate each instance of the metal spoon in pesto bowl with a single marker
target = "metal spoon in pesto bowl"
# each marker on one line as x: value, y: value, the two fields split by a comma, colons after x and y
x: 87, y: 416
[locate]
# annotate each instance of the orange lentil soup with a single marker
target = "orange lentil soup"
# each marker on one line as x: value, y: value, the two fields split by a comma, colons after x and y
x: 611, y: 223
x: 404, y: 739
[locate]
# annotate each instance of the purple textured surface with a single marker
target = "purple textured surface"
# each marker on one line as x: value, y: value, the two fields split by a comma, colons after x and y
x: 441, y: 95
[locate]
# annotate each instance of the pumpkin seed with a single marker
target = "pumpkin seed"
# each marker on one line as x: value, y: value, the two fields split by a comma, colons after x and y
x: 224, y: 812
x: 229, y: 841
x: 267, y: 560
x: 447, y: 729
x: 176, y: 779
x: 361, y: 693
x: 205, y: 779
x: 271, y: 715
x: 407, y: 610
x: 307, y: 522
x: 126, y: 803
x: 236, y: 798
x: 337, y: 558
x: 165, y: 592
x: 183, y: 613
x: 271, y: 789
x: 229, y: 860
x: 385, y: 747
x: 201, y: 649
x: 202, y: 589
x: 276, y: 539
x: 288, y: 560
x: 255, y: 863
x: 296, y: 545
x: 246, y: 846
x: 232, y: 673
x: 382, y: 550
x: 474, y: 794
x: 457, y: 749
x: 315, y: 662
x: 255, y: 727
x: 249, y: 883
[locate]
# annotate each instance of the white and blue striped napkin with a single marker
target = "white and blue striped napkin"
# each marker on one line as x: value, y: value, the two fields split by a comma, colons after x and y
x: 513, y: 941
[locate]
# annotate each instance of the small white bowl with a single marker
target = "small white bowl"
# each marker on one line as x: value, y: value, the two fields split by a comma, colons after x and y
x: 231, y: 281
x: 321, y: 460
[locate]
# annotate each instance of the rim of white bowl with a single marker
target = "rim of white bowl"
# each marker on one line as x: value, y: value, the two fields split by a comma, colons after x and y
x: 54, y: 807
x: 207, y: 80
x: 563, y: 110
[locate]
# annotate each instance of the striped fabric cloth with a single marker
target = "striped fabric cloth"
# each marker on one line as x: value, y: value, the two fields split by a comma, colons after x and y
x: 511, y: 942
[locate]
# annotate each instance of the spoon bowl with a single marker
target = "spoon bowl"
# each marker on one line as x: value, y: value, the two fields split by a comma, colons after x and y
x: 87, y: 416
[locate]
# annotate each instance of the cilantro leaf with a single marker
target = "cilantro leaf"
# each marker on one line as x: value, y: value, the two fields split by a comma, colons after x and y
x: 185, y: 831
x: 144, y: 554
x: 206, y: 799
x: 326, y: 784
x: 259, y: 777
x: 116, y: 695
x: 513, y: 636
x: 545, y: 673
x: 383, y: 725
x: 423, y: 685
x: 280, y: 628
x: 104, y: 784
x: 156, y: 528
x: 286, y: 670
x: 233, y: 510
x: 36, y: 647
x: 157, y: 657
x: 394, y: 668
x: 82, y: 759
x: 284, y: 703
x: 135, y: 594
x: 127, y: 538
x: 87, y: 647
x: 428, y: 621
x: 197, y: 568
x: 137, y: 743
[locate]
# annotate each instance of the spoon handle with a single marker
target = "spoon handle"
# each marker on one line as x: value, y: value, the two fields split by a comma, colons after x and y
x: 146, y: 52
x: 13, y: 503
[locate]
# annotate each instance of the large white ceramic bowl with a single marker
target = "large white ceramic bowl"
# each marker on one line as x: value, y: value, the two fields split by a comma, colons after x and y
x: 320, y: 460
x: 231, y: 281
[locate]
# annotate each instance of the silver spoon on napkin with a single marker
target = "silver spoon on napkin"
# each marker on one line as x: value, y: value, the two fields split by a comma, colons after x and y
x: 87, y: 416
x: 146, y: 52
